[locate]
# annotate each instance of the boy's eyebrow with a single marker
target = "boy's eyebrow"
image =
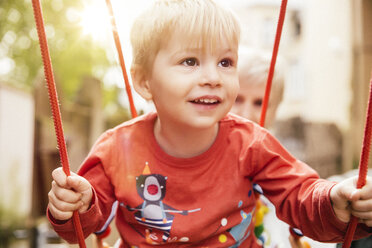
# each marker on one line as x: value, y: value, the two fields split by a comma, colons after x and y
x: 200, y: 49
x: 229, y: 50
x: 184, y: 52
x: 187, y: 50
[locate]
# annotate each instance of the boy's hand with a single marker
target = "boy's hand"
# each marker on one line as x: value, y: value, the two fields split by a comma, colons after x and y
x: 298, y: 242
x: 347, y: 199
x: 68, y: 194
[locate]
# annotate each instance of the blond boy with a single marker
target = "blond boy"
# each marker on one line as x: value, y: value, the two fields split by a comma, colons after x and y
x: 253, y: 71
x: 183, y: 176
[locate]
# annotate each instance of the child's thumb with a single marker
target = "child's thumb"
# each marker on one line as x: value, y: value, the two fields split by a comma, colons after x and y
x: 78, y: 184
x: 355, y: 195
x: 342, y: 193
x: 350, y: 193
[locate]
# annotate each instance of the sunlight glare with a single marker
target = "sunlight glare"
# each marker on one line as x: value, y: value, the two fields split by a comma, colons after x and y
x: 94, y: 21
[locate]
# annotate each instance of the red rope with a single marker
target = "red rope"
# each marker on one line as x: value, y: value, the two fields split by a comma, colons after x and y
x: 53, y: 100
x: 279, y: 29
x: 121, y: 58
x: 363, y: 166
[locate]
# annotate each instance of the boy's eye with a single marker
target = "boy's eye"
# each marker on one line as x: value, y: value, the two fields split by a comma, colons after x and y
x: 257, y: 102
x: 190, y: 62
x: 226, y: 63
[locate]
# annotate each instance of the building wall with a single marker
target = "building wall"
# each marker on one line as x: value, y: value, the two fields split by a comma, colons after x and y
x: 327, y: 46
x: 360, y: 81
x: 16, y: 150
x: 318, y: 55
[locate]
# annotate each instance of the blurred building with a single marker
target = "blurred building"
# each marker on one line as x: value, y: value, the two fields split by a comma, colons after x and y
x: 16, y: 149
x: 16, y: 161
x: 28, y: 154
x: 328, y: 49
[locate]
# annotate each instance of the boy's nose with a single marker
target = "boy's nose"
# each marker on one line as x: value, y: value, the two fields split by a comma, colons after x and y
x: 210, y: 76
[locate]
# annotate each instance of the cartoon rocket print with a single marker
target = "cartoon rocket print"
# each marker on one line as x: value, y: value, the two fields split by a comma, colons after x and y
x: 237, y: 232
x: 153, y: 212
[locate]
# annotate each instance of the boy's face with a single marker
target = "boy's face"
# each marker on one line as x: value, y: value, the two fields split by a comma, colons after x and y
x: 191, y: 86
x: 249, y: 101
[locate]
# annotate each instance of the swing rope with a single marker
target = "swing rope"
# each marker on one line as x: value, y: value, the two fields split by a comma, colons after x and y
x: 121, y: 58
x: 363, y: 166
x: 100, y: 237
x: 278, y: 34
x: 53, y: 100
x: 265, y: 102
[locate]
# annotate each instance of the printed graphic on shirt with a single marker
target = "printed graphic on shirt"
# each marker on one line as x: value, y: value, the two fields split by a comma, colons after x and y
x: 153, y: 212
x: 239, y: 232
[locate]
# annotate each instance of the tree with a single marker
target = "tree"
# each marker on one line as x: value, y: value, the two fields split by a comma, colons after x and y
x: 73, y: 55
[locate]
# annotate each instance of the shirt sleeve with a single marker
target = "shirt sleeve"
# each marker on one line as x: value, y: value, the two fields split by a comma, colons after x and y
x: 103, y: 196
x: 95, y: 217
x: 301, y: 198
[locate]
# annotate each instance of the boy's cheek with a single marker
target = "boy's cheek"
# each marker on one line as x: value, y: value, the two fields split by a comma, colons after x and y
x: 233, y: 97
x: 236, y: 89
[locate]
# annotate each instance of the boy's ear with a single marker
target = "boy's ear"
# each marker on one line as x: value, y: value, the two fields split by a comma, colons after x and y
x: 140, y: 82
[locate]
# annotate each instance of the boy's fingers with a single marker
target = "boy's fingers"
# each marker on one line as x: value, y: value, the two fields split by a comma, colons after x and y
x: 362, y: 205
x: 342, y: 194
x: 349, y: 191
x: 79, y: 184
x: 354, y: 194
x: 63, y: 206
x: 60, y: 177
x: 366, y: 190
x: 367, y: 222
x: 362, y: 209
x: 58, y: 214
x: 362, y: 215
x: 295, y: 243
x: 63, y: 194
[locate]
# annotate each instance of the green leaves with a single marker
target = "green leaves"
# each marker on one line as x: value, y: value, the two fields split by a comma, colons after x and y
x: 73, y: 55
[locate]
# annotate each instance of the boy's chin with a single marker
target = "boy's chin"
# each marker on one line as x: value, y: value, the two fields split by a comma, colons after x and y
x: 205, y: 122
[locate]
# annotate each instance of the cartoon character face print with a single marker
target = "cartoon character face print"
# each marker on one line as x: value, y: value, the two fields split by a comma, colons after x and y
x: 151, y: 187
x: 153, y: 212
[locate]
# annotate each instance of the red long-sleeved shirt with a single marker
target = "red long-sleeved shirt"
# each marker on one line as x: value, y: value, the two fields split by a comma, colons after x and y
x: 203, y: 201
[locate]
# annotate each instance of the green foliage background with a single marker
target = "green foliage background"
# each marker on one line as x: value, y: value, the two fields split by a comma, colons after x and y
x: 73, y: 55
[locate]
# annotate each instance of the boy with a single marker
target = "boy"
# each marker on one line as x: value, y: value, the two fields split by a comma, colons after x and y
x: 183, y: 176
x: 253, y: 71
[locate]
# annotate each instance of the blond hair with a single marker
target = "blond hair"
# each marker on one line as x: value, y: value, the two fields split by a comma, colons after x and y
x: 203, y: 19
x: 254, y: 65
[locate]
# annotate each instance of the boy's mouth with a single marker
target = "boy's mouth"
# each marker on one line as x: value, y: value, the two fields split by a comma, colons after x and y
x: 206, y: 100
